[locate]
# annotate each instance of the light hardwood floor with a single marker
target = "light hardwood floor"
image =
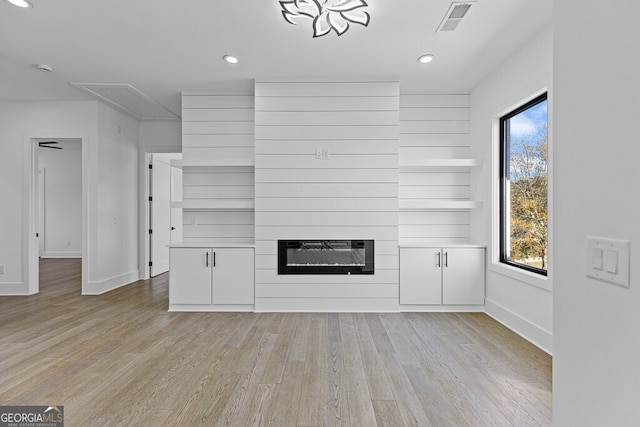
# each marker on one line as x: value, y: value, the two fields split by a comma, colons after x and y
x: 122, y: 359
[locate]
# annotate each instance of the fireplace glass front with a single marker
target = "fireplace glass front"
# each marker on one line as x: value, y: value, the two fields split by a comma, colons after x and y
x: 325, y: 257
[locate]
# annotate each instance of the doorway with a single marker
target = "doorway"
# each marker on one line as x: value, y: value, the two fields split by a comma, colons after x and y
x: 165, y: 212
x: 57, y: 226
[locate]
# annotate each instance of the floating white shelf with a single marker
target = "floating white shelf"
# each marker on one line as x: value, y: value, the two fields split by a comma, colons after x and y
x: 419, y: 165
x: 433, y: 204
x: 218, y: 205
x: 222, y: 163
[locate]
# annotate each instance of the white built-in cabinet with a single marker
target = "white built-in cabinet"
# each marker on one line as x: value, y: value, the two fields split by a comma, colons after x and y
x: 214, y: 277
x: 442, y: 275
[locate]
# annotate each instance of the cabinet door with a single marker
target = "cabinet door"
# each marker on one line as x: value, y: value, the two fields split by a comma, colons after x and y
x: 463, y: 276
x: 190, y: 276
x: 420, y: 276
x: 233, y: 280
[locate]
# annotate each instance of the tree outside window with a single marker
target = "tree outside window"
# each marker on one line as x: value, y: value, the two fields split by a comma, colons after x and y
x: 524, y: 185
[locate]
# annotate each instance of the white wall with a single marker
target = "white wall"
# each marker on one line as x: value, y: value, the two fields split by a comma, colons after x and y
x: 596, y: 325
x: 433, y: 127
x: 353, y: 194
x: 517, y: 299
x: 113, y: 212
x: 160, y: 136
x: 218, y: 173
x: 111, y: 188
x: 18, y: 122
x: 62, y: 190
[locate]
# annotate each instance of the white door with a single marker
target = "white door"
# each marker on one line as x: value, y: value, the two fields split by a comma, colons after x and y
x: 41, y: 210
x: 190, y: 277
x: 160, y: 239
x: 420, y: 276
x: 463, y: 276
x: 176, y: 197
x: 233, y: 279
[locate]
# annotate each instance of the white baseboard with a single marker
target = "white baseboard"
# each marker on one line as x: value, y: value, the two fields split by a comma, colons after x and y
x: 10, y: 289
x: 327, y: 305
x: 413, y: 308
x: 533, y: 333
x: 61, y: 255
x: 106, y: 285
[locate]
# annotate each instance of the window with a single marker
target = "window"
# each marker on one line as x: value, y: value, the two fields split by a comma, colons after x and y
x: 523, y: 187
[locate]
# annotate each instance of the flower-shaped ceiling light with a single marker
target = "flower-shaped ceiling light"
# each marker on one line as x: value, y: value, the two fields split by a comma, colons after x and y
x: 327, y: 15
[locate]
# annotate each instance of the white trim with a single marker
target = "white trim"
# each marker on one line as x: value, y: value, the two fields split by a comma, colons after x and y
x: 521, y: 275
x: 327, y: 305
x: 10, y: 289
x: 210, y: 307
x: 31, y: 267
x: 533, y: 333
x: 61, y: 255
x: 412, y: 308
x: 106, y: 285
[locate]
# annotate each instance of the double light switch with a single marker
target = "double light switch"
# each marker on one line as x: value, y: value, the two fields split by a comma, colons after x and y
x: 608, y: 260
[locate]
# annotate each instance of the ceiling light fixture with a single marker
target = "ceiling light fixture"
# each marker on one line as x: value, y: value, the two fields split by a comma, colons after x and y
x: 425, y: 59
x: 230, y: 59
x: 326, y: 15
x: 20, y: 3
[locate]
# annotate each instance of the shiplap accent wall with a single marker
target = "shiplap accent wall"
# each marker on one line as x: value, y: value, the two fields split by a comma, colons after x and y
x: 434, y: 127
x: 352, y: 194
x: 218, y: 173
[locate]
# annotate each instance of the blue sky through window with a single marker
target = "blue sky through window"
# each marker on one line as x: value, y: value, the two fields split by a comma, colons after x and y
x: 529, y: 123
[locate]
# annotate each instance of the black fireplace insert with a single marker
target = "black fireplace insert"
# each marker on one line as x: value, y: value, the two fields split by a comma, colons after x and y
x: 325, y: 257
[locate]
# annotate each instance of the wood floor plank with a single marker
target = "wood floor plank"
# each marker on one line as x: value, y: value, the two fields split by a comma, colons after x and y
x: 124, y: 350
x: 312, y: 398
x: 282, y: 410
x: 377, y: 380
x: 358, y: 396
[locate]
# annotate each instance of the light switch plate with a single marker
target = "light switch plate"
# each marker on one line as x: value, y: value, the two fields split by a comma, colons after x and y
x: 616, y: 258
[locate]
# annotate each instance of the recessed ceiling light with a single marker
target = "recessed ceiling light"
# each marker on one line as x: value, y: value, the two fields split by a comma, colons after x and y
x: 230, y: 59
x: 425, y: 59
x: 20, y: 3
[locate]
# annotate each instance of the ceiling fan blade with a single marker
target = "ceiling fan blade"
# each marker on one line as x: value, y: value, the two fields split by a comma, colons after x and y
x: 49, y: 146
x: 48, y: 142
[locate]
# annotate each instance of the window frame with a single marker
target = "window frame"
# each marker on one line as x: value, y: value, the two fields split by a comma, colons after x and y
x: 504, y: 155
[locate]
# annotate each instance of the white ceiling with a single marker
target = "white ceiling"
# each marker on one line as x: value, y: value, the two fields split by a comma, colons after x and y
x: 165, y: 47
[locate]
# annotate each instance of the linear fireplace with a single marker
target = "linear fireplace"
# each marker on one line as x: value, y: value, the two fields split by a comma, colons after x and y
x: 325, y: 257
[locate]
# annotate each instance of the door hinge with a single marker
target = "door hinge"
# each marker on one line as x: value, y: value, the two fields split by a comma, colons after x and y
x: 150, y: 231
x: 150, y: 199
x: 150, y: 166
x: 150, y: 263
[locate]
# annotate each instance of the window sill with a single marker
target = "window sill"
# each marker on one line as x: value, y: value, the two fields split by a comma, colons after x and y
x: 524, y: 276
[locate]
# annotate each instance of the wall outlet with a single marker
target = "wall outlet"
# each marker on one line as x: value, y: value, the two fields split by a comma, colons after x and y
x: 2, y: 269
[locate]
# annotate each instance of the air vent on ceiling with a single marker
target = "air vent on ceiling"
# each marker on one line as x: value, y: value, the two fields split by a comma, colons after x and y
x: 454, y: 15
x: 129, y: 100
